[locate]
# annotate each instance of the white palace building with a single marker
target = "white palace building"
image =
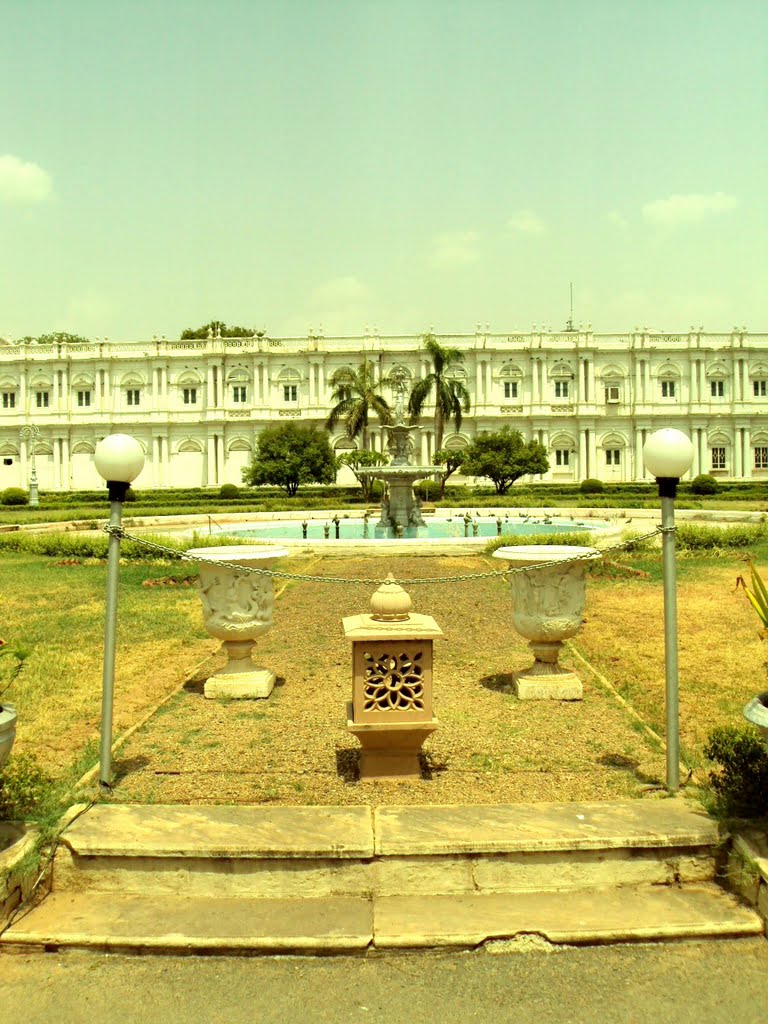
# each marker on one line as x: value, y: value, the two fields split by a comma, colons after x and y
x: 197, y: 406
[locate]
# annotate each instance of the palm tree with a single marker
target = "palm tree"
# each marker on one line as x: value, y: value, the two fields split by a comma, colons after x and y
x: 356, y: 394
x: 451, y: 396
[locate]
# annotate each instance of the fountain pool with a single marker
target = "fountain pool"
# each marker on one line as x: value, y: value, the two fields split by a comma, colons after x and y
x: 478, y: 528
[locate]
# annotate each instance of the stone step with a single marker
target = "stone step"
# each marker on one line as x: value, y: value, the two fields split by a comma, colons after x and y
x: 336, y: 851
x: 150, y: 924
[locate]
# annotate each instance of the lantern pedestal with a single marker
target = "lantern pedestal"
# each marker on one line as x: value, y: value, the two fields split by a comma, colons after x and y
x: 390, y: 751
x: 391, y: 708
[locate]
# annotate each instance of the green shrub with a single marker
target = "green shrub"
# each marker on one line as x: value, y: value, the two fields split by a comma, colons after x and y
x: 591, y: 486
x: 741, y: 783
x: 23, y: 787
x: 14, y: 496
x: 229, y: 491
x: 704, y: 484
x: 699, y: 538
x: 130, y: 495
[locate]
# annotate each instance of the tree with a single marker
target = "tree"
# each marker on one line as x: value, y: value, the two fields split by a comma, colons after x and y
x: 214, y: 327
x: 452, y: 460
x: 357, y: 394
x: 57, y: 338
x: 360, y: 459
x: 290, y: 455
x: 504, y: 456
x: 451, y: 396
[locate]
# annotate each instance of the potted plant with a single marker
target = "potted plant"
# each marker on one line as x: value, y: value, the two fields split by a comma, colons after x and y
x: 8, y: 711
x: 756, y: 711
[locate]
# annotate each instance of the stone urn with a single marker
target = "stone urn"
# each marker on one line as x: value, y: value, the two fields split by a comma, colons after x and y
x: 756, y: 712
x: 7, y: 731
x: 547, y: 606
x: 237, y: 609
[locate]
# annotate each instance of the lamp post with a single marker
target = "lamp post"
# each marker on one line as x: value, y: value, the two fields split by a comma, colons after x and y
x: 119, y: 458
x: 668, y: 454
x: 30, y: 431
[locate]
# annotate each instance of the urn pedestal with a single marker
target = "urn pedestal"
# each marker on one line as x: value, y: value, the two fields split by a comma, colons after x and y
x: 237, y: 609
x: 547, y: 607
x: 7, y: 731
x: 391, y: 708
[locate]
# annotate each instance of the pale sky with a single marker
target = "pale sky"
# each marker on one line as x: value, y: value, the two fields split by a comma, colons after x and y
x: 399, y: 164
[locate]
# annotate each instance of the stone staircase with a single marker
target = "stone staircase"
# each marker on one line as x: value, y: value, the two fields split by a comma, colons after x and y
x: 181, y: 879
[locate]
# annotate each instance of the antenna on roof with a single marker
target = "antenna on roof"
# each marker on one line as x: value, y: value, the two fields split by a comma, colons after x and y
x: 569, y: 326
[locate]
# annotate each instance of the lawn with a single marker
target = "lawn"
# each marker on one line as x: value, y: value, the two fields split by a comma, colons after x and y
x: 294, y: 748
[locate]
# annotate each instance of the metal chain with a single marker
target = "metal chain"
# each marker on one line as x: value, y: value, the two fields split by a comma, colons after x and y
x: 118, y: 531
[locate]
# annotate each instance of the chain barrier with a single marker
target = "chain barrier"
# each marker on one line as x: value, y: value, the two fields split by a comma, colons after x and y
x: 184, y: 556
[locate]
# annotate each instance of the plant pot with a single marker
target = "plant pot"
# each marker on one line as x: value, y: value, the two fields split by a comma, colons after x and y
x: 7, y: 731
x: 547, y: 607
x: 756, y: 712
x: 237, y: 609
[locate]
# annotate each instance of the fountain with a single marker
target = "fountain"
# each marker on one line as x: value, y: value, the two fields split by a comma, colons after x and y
x: 400, y: 508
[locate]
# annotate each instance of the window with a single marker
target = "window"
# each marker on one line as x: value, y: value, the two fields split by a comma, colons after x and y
x: 717, y: 388
x: 760, y: 387
x: 9, y: 399
x: 238, y: 393
x: 510, y: 389
x: 290, y: 392
x: 42, y: 398
x: 761, y: 458
x: 83, y: 399
x: 718, y: 458
x: 612, y: 393
x: 562, y: 457
x: 667, y: 389
x: 613, y: 456
x: 132, y: 396
x: 190, y: 396
x: 561, y: 389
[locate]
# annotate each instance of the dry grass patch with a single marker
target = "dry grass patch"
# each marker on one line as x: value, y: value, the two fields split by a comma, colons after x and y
x: 294, y: 747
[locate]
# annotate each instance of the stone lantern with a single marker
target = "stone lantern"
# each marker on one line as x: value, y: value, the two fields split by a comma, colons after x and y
x: 391, y: 708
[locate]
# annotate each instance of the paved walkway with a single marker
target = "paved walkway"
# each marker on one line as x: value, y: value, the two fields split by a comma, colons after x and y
x: 714, y: 982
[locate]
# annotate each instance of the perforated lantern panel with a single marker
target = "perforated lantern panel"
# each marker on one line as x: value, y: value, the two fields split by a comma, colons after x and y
x: 392, y: 680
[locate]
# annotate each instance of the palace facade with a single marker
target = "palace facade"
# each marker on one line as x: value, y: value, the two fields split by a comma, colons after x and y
x: 197, y: 406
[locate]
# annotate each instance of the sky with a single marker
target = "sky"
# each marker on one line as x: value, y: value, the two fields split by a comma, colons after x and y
x: 399, y: 165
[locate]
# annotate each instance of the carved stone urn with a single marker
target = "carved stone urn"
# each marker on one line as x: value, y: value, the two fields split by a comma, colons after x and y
x: 547, y: 606
x: 237, y: 609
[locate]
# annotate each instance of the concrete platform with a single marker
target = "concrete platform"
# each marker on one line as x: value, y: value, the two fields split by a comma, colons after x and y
x: 350, y: 879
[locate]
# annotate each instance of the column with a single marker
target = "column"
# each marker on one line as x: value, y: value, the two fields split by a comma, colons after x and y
x: 220, y: 458
x: 738, y: 465
x: 25, y: 451
x: 424, y: 449
x: 312, y: 394
x: 741, y: 380
x: 639, y: 464
x: 23, y: 390
x: 157, y: 475
x: 209, y: 387
x: 321, y: 372
x: 645, y: 371
x: 534, y: 382
x: 592, y: 442
x: 66, y: 469
x: 748, y: 457
x: 487, y: 381
x: 108, y: 397
x: 694, y: 397
x: 696, y: 467
x: 703, y: 451
x: 57, y: 462
x: 591, y: 380
x: 166, y: 460
x: 478, y: 382
x: 64, y: 406
x: 210, y: 467
x: 583, y: 467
